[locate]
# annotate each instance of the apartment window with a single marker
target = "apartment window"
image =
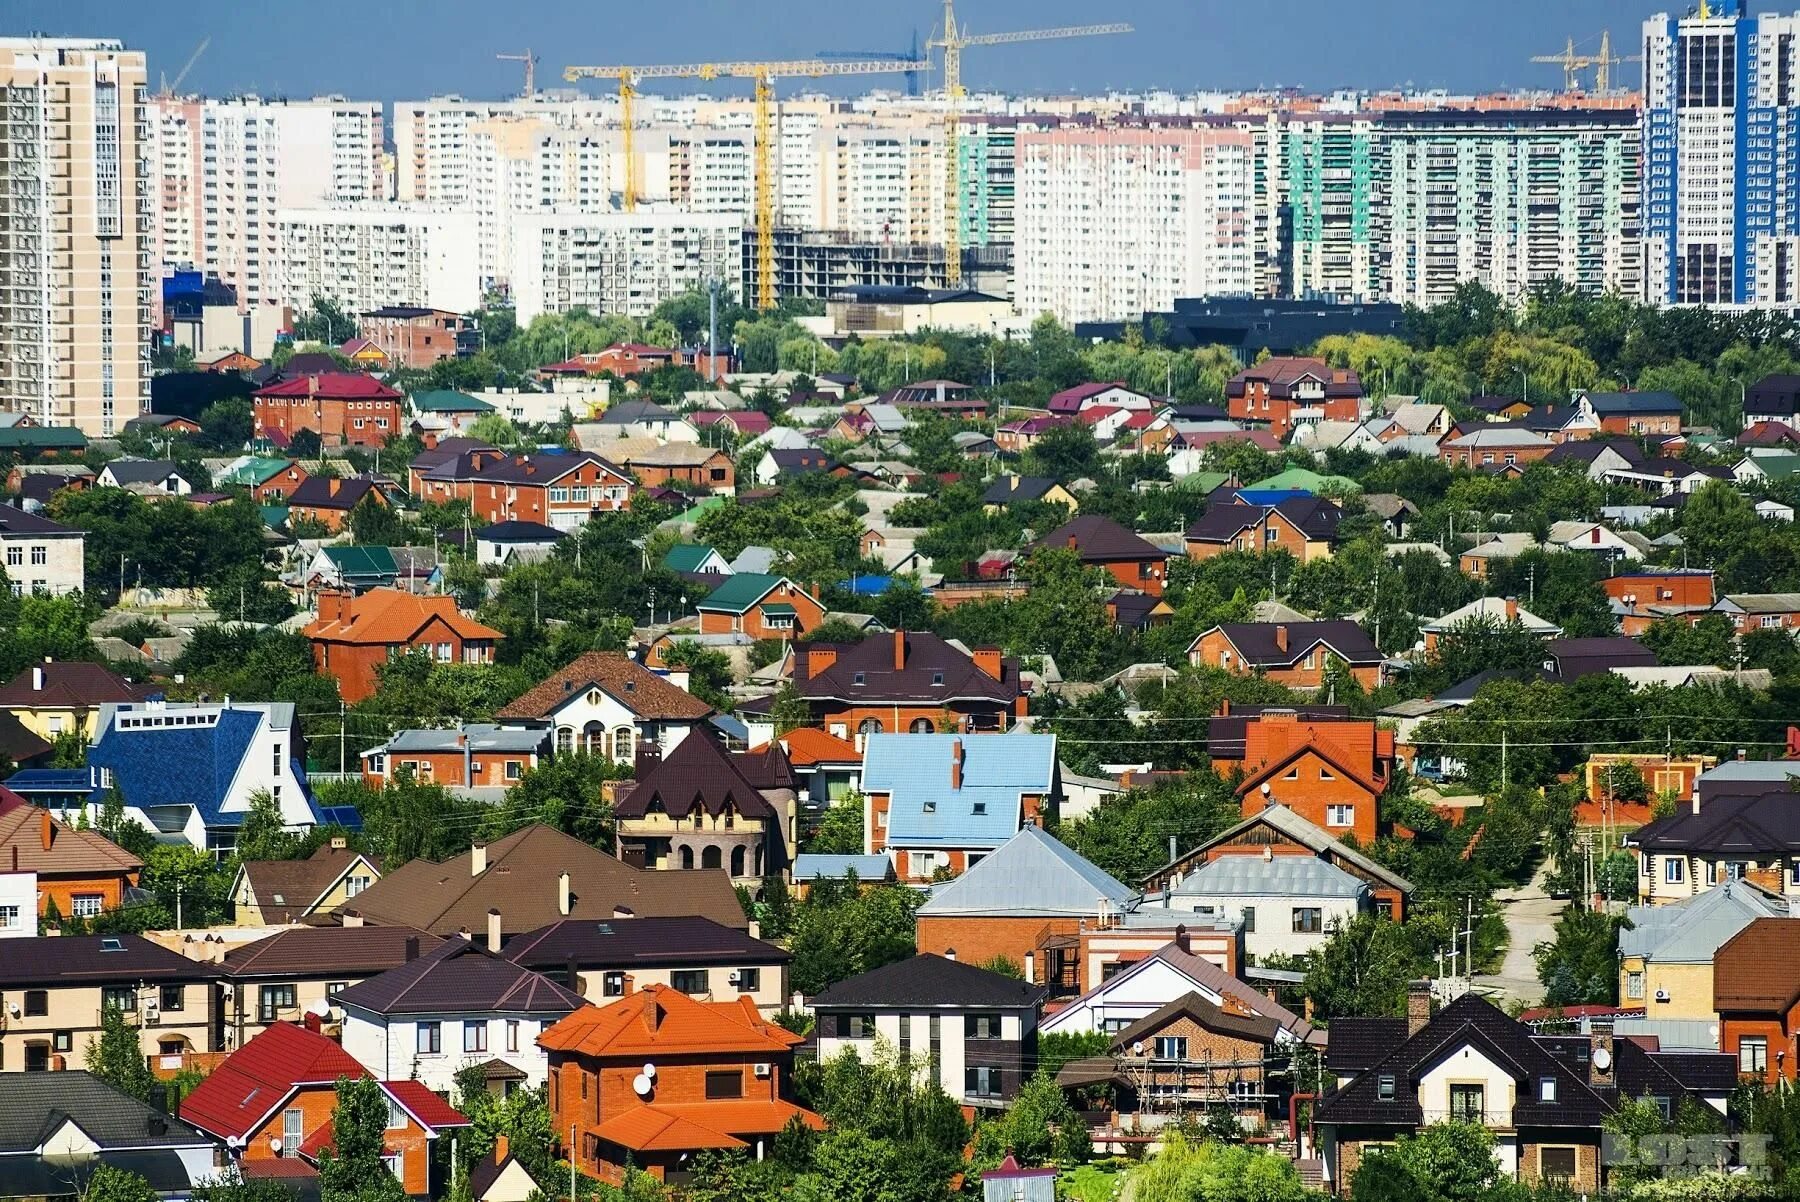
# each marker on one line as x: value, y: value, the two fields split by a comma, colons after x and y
x: 981, y: 1082
x: 1384, y: 1087
x: 1546, y: 1089
x: 428, y: 1039
x: 9, y: 918
x: 396, y: 1116
x: 1753, y: 1054
x: 86, y: 905
x: 1307, y: 920
x: 396, y: 1164
x: 1556, y: 1164
x: 171, y: 997
x: 688, y: 980
x: 39, y: 555
x: 512, y: 1034
x: 1171, y: 1047
x: 559, y: 496
x: 1340, y: 815
x: 15, y: 557
x: 982, y: 1026
x: 721, y: 1085
x: 612, y: 984
x: 37, y: 1003
x: 122, y: 998
x: 1468, y: 1103
x: 271, y: 1000
x: 1674, y: 871
x: 749, y: 980
x: 475, y: 1037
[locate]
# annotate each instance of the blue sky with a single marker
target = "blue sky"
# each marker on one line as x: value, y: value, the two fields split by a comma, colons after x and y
x: 413, y: 48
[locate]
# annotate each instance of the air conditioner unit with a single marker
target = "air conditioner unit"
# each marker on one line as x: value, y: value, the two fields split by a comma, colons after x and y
x: 731, y: 979
x: 1662, y: 995
x: 763, y: 1068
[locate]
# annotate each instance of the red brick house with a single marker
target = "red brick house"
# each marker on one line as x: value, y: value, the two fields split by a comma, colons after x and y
x: 1286, y: 391
x: 761, y: 606
x: 1644, y: 595
x: 1295, y: 654
x: 341, y: 407
x: 417, y: 337
x: 1330, y: 773
x: 79, y: 870
x: 329, y: 500
x: 354, y: 635
x: 1756, y: 992
x: 658, y: 1076
x: 893, y: 682
x: 1100, y: 542
x: 1636, y: 413
x: 476, y: 755
x: 561, y: 491
x: 1304, y: 527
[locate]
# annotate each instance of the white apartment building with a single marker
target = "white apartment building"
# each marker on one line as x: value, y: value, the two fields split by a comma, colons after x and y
x: 75, y: 233
x: 39, y: 555
x: 1113, y: 222
x: 623, y: 263
x: 377, y: 255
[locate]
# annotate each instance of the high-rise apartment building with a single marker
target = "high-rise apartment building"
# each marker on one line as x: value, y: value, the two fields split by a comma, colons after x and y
x: 621, y: 263
x: 379, y: 256
x: 1722, y: 184
x: 75, y: 232
x: 1329, y: 165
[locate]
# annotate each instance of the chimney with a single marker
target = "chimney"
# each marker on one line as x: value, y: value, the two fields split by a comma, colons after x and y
x: 45, y: 828
x: 15, y: 851
x: 987, y: 659
x: 652, y: 1011
x: 815, y: 592
x: 334, y: 605
x: 477, y: 859
x: 1600, y: 1049
x: 949, y: 953
x: 502, y: 1146
x: 1182, y: 941
x: 353, y: 918
x: 1418, y: 1006
x: 956, y: 764
x: 818, y: 659
x: 1074, y: 543
x: 562, y: 895
x: 412, y: 948
x: 493, y: 931
x: 1512, y: 609
x: 1281, y: 640
x: 899, y: 650
x: 628, y: 985
x: 37, y: 678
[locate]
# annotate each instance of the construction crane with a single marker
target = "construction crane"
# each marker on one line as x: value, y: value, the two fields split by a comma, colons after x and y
x: 764, y: 75
x: 953, y: 40
x: 914, y: 54
x: 168, y: 86
x: 1603, y: 63
x: 530, y: 61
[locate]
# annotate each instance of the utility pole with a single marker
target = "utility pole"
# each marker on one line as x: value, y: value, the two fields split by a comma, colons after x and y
x: 1503, y: 751
x: 343, y: 737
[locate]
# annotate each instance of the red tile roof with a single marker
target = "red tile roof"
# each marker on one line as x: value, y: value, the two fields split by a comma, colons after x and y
x: 242, y: 1091
x: 683, y: 1026
x: 682, y: 1126
x: 808, y: 745
x: 385, y: 616
x: 424, y: 1105
x: 332, y: 386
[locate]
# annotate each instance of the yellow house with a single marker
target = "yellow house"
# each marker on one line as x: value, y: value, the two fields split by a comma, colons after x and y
x: 1666, y: 952
x: 278, y: 892
x: 1015, y: 490
x: 55, y: 698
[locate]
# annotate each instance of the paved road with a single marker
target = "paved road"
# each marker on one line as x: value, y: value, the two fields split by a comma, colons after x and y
x: 1530, y: 915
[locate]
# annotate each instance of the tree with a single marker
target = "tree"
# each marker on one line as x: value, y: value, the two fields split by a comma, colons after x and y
x: 1445, y: 1162
x: 110, y: 1184
x: 1581, y: 966
x: 565, y: 793
x: 843, y: 929
x: 840, y: 831
x: 352, y: 1169
x: 1215, y: 1172
x: 117, y: 1058
x: 1708, y: 641
x: 232, y: 1186
x: 264, y: 835
x: 1364, y: 968
x: 1040, y: 1127
x: 709, y: 671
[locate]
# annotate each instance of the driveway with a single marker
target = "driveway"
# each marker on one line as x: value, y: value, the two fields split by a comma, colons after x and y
x: 1530, y: 915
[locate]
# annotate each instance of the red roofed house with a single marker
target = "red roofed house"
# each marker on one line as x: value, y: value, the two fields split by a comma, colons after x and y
x: 341, y: 407
x: 627, y: 359
x: 275, y: 1097
x: 658, y: 1076
x: 1022, y: 435
x: 1756, y: 994
x: 1286, y: 391
x: 1328, y: 771
x: 353, y: 636
x: 1117, y: 395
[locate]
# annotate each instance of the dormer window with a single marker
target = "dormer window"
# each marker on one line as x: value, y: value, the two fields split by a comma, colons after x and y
x: 981, y: 807
x: 1546, y: 1089
x: 937, y: 680
x: 1384, y: 1087
x: 857, y: 679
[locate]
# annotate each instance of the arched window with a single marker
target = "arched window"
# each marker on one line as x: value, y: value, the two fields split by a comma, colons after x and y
x: 687, y: 856
x: 759, y: 861
x: 921, y: 726
x: 712, y: 857
x: 730, y: 816
x: 593, y: 739
x: 565, y: 740
x: 624, y: 743
x: 737, y: 860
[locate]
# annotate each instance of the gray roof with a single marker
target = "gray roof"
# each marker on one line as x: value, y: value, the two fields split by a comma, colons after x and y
x: 483, y: 737
x: 1749, y: 770
x: 1030, y: 874
x: 1280, y: 876
x: 1690, y: 931
x: 1305, y: 834
x: 34, y: 1105
x: 754, y: 559
x: 1672, y: 1034
x: 1762, y: 603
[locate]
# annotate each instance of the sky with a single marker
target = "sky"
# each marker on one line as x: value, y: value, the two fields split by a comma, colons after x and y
x: 389, y: 49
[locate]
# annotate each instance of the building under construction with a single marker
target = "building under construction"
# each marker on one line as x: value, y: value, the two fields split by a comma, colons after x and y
x: 819, y: 264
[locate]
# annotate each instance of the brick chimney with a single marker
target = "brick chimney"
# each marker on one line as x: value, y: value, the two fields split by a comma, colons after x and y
x: 987, y: 659
x: 1601, y: 1065
x: 334, y: 605
x: 493, y: 930
x: 477, y: 859
x: 46, y: 828
x: 956, y: 764
x: 563, y: 900
x: 818, y: 659
x: 1182, y: 942
x: 1281, y: 638
x: 1418, y: 1006
x: 1512, y: 609
x: 502, y: 1148
x: 899, y: 650
x: 412, y: 948
x: 652, y: 1011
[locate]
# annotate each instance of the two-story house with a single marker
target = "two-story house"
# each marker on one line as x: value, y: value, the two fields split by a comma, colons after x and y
x: 1296, y: 654
x: 607, y: 960
x: 975, y: 1029
x: 352, y: 636
x: 276, y: 892
x: 941, y: 802
x: 476, y: 755
x: 78, y: 873
x: 328, y: 501
x: 1635, y: 413
x: 907, y: 681
x: 1304, y: 527
x: 701, y: 806
x: 761, y: 606
x: 1666, y: 953
x: 39, y: 555
x: 1756, y: 994
x: 657, y: 1076
x: 562, y: 491
x: 605, y: 704
x: 1286, y: 391
x: 1753, y: 837
x: 340, y: 407
x: 283, y: 977
x: 1100, y: 542
x: 64, y: 697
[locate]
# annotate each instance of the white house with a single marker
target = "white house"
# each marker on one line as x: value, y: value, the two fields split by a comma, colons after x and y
x: 1288, y: 905
x: 1774, y: 511
x: 41, y: 556
x: 18, y: 905
x: 454, y: 1006
x: 1592, y: 537
x: 605, y: 704
x: 148, y: 475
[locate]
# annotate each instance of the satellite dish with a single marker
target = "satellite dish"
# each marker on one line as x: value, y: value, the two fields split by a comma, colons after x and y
x: 641, y: 1085
x: 650, y: 1071
x: 1265, y: 789
x: 1137, y: 1049
x: 1602, y: 1059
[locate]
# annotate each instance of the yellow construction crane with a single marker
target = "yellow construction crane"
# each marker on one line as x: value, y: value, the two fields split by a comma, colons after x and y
x: 1603, y: 63
x: 530, y: 61
x: 764, y: 75
x: 952, y: 39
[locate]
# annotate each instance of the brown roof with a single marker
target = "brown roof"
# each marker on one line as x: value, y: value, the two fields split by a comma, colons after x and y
x: 68, y: 684
x: 286, y: 889
x: 456, y: 977
x: 521, y: 881
x: 1758, y: 969
x: 631, y: 684
x: 24, y: 831
x: 326, y: 951
x: 698, y: 775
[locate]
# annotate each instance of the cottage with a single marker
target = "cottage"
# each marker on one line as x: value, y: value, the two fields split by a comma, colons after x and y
x: 603, y: 703
x: 352, y: 636
x: 277, y: 892
x: 607, y: 960
x: 698, y: 807
x: 1297, y: 654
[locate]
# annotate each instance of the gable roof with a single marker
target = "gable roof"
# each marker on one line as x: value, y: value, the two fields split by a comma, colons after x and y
x: 33, y: 1105
x: 1033, y: 873
x: 1250, y: 875
x: 447, y: 400
x: 1692, y: 930
x: 740, y: 592
x: 1491, y: 609
x: 1758, y: 969
x: 1767, y: 822
x: 637, y: 688
x: 1298, y: 830
x: 70, y: 684
x: 1008, y: 490
x: 359, y: 562
x: 25, y: 830
x: 385, y: 616
x: 808, y: 745
x: 247, y: 1085
x: 1096, y: 538
x: 930, y: 670
x: 317, y: 951
x: 688, y: 557
x: 323, y: 492
x: 1316, y: 518
x: 929, y: 981
x: 646, y: 942
x: 1209, y: 1015
x: 1608, y: 404
x: 998, y: 770
x: 658, y: 1022
x: 287, y: 890
x: 456, y: 977
x: 1257, y: 645
x: 698, y: 775
x: 1211, y: 977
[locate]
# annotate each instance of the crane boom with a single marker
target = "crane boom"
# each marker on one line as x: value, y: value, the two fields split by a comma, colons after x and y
x: 168, y: 89
x: 530, y: 60
x: 1045, y: 35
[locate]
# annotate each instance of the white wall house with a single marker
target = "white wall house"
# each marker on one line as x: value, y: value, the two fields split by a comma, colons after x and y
x: 1142, y: 988
x: 18, y: 905
x: 39, y: 555
x: 1289, y: 905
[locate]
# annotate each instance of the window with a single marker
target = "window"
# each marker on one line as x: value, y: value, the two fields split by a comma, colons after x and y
x: 512, y: 1034
x: 171, y: 997
x: 396, y: 1163
x: 293, y: 1132
x: 514, y: 769
x: 1171, y: 1047
x: 122, y: 998
x: 1468, y: 1103
x: 37, y: 1002
x: 334, y: 988
x: 688, y: 980
x: 396, y: 1118
x: 1307, y: 920
x: 1734, y: 871
x: 271, y: 1000
x: 356, y: 884
x: 1249, y: 913
x: 725, y: 1084
x: 1340, y: 815
x: 1753, y: 1054
x: 475, y: 1036
x: 612, y: 984
x: 86, y: 905
x: 1674, y: 871
x: 9, y: 918
x: 428, y: 1039
x: 1546, y: 1089
x: 1634, y: 985
x: 62, y: 1041
x: 1556, y: 1164
x: 982, y: 1026
x: 38, y: 556
x: 749, y: 980
x: 981, y: 1082
x: 858, y: 1026
x: 1384, y: 1087
x: 15, y: 557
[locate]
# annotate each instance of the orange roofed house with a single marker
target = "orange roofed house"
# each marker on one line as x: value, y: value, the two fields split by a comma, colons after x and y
x: 342, y: 407
x: 658, y: 1076
x: 1286, y: 391
x: 275, y: 1097
x: 353, y: 636
x: 83, y: 872
x: 1329, y: 771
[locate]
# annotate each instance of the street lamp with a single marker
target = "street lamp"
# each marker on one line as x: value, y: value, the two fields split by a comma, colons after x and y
x: 1525, y: 385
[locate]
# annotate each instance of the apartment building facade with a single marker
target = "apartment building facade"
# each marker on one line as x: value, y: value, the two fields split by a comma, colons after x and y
x: 378, y: 255
x: 623, y: 263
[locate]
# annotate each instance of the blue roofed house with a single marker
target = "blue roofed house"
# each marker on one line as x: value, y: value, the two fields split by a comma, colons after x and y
x: 941, y: 802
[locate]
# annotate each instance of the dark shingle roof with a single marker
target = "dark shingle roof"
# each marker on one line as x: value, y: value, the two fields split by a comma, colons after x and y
x: 288, y: 888
x: 70, y: 684
x: 1354, y: 1043
x: 305, y: 951
x: 1258, y: 642
x: 1010, y: 489
x: 322, y: 492
x: 928, y: 981
x: 32, y: 1105
x: 647, y: 942
x: 1258, y: 1028
x: 1622, y: 403
x: 456, y: 977
x: 1767, y: 823
x: 924, y: 658
x: 1314, y: 517
x: 1098, y: 539
x: 1577, y: 657
x: 698, y: 775
x: 83, y: 959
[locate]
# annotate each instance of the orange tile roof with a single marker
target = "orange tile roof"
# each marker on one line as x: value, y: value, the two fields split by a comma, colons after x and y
x: 385, y: 616
x: 675, y: 1128
x: 808, y: 745
x: 683, y: 1026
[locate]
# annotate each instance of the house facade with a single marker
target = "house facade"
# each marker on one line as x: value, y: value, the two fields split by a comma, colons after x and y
x: 761, y: 606
x: 701, y: 806
x: 352, y: 636
x: 1756, y: 994
x: 478, y: 755
x: 39, y: 555
x: 1284, y: 391
x: 300, y: 970
x: 603, y: 703
x: 276, y: 892
x: 1296, y: 654
x: 605, y: 961
x: 1305, y: 528
x: 342, y: 408
x: 908, y: 681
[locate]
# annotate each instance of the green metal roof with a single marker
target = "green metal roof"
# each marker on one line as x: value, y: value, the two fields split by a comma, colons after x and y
x: 686, y: 557
x: 1777, y: 467
x: 446, y: 400
x: 1202, y: 482
x: 363, y: 561
x: 40, y: 438
x: 740, y: 592
x: 699, y: 510
x: 274, y: 516
x: 260, y: 470
x: 1311, y: 481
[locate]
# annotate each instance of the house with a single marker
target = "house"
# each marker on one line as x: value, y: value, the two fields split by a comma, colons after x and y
x: 1635, y: 413
x: 1138, y: 611
x: 36, y: 483
x: 941, y: 802
x: 1598, y: 456
x: 657, y: 1077
x: 735, y: 423
x: 1666, y: 952
x: 63, y: 697
x: 677, y: 463
x: 58, y: 1129
x: 1562, y: 423
x: 364, y: 355
x: 778, y: 463
x: 1115, y: 394
x: 1275, y: 831
x: 1736, y: 777
x: 602, y: 703
x: 329, y: 500
x: 976, y: 1029
x: 694, y: 559
x: 476, y: 755
x: 811, y: 868
x: 352, y: 636
x: 622, y: 359
x: 1330, y: 772
x: 1288, y: 906
x: 1100, y: 542
x: 1020, y: 435
x: 1664, y: 775
x: 499, y: 543
x: 1642, y: 596
x: 275, y: 1098
x: 1570, y: 659
x: 535, y: 876
x: 299, y: 970
x: 973, y: 444
x: 417, y: 336
x: 1019, y: 490
x: 1323, y: 437
x: 355, y: 568
x: 700, y: 806
x: 77, y: 872
x: 1744, y: 836
x: 1756, y: 994
x: 24, y: 748
x: 56, y: 990
x: 277, y: 892
x: 1396, y: 512
x: 1303, y: 527
x: 760, y: 605
x: 41, y: 556
x: 1774, y: 398
x: 1486, y: 612
x: 1745, y: 611
x: 342, y: 408
x: 1500, y: 408
x: 151, y: 475
x: 443, y: 412
x: 603, y: 961
x: 826, y: 768
x: 456, y: 1006
x: 907, y: 681
x: 1286, y: 391
x: 1668, y: 477
x: 1544, y: 1097
x: 1297, y: 654
x: 561, y: 489
x: 1491, y: 446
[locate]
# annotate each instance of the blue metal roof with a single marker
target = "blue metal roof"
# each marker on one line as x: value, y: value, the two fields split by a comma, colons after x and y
x: 182, y: 765
x: 923, y: 808
x: 866, y: 586
x: 1271, y: 496
x: 815, y: 866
